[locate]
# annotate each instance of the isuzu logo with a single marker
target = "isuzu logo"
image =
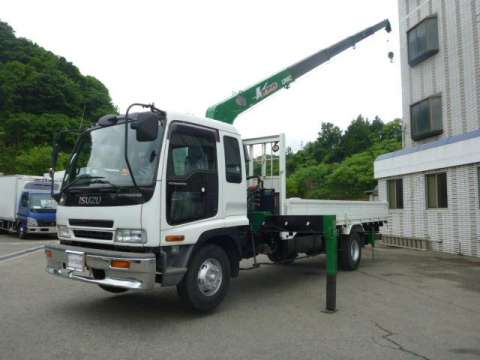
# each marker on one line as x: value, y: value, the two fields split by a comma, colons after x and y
x: 89, y: 200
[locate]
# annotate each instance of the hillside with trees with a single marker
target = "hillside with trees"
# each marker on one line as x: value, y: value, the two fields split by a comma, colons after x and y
x: 339, y: 164
x: 41, y: 94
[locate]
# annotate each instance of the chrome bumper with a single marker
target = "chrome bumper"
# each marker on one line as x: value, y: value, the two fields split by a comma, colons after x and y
x: 98, y: 269
x: 42, y: 230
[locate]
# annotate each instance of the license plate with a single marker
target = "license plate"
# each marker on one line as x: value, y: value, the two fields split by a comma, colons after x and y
x: 75, y: 261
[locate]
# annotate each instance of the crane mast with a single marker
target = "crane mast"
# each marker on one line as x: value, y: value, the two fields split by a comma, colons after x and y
x: 230, y: 108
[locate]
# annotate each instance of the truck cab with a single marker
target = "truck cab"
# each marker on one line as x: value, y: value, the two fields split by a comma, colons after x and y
x: 36, y: 210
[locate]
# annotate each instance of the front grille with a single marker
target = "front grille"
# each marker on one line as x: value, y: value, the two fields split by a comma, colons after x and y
x: 98, y: 235
x: 91, y: 223
x: 45, y: 223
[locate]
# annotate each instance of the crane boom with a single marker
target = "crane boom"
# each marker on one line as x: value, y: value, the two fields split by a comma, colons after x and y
x: 230, y: 108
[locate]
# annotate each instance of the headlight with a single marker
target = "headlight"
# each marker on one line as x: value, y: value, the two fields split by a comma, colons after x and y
x: 63, y: 232
x: 131, y: 236
x: 31, y: 222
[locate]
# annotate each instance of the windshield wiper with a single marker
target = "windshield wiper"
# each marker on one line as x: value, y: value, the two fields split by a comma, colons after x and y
x: 102, y: 180
x: 78, y: 178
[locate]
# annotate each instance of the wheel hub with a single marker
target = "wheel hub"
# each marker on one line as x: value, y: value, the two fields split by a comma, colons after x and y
x: 354, y: 250
x: 210, y: 277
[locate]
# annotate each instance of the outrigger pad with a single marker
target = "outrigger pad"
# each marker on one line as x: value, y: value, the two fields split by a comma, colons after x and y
x: 312, y: 224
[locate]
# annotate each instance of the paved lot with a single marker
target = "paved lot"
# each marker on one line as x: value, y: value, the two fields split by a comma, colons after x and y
x: 402, y: 305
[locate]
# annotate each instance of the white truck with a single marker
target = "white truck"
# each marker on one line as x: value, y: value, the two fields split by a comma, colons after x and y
x: 164, y: 198
x: 26, y: 206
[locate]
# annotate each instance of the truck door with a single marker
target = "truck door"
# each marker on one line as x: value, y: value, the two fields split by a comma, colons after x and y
x: 235, y: 181
x: 23, y: 210
x: 192, y: 174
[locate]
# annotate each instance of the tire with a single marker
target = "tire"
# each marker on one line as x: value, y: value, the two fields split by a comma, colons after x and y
x: 207, y: 280
x: 113, y: 289
x: 350, y: 253
x: 21, y: 232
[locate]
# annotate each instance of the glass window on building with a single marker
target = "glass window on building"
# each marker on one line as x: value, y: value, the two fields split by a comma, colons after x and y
x: 426, y: 118
x: 423, y: 40
x: 436, y: 191
x: 395, y: 193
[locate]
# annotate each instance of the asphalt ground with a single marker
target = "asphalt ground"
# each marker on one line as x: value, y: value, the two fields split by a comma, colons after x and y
x: 403, y: 304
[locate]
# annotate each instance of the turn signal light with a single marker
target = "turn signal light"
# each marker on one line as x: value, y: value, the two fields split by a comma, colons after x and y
x: 120, y: 264
x: 48, y: 253
x: 171, y: 238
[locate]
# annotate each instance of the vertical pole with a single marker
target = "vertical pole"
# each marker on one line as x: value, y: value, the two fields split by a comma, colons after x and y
x: 371, y: 240
x: 330, y: 233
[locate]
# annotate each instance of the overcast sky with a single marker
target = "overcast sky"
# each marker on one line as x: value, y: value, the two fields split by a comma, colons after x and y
x: 188, y: 55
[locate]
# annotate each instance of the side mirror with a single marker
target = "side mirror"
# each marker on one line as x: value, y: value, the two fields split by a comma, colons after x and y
x: 146, y: 126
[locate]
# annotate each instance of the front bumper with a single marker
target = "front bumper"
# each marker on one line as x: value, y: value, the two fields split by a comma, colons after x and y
x: 98, y: 269
x: 42, y: 230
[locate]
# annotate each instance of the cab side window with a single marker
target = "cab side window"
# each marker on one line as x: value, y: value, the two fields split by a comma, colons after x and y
x: 233, y: 162
x: 24, y: 200
x: 192, y: 174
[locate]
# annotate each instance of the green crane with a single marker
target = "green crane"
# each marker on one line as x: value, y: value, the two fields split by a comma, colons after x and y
x: 230, y: 108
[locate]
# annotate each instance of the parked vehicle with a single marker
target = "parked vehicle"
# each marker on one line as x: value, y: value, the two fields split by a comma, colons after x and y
x: 164, y: 198
x: 27, y: 206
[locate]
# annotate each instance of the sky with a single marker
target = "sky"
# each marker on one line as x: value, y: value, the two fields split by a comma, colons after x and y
x: 187, y: 55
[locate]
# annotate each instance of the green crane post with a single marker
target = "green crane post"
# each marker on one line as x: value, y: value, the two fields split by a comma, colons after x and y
x: 330, y: 235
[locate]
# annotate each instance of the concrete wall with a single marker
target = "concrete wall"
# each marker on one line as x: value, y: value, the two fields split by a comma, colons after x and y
x: 455, y: 229
x: 454, y: 72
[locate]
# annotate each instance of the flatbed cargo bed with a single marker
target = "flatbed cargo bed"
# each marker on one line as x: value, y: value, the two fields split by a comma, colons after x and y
x: 346, y: 212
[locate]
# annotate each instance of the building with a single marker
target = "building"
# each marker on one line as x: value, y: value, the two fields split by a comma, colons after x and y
x: 372, y: 194
x: 432, y: 184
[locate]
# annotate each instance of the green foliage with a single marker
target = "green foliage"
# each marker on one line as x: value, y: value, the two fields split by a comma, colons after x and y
x: 340, y: 166
x: 41, y: 94
x: 37, y: 160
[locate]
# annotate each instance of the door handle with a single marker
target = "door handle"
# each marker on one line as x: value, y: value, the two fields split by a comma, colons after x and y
x: 176, y: 183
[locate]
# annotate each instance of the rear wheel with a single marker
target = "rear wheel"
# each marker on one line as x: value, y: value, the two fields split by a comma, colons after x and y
x: 350, y: 252
x: 206, y: 282
x: 113, y: 289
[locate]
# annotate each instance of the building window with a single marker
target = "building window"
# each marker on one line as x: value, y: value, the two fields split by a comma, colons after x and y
x: 233, y: 162
x: 395, y: 193
x: 426, y: 118
x: 437, y: 191
x: 423, y: 40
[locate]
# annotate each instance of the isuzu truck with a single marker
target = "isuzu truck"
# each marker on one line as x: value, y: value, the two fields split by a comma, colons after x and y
x: 161, y: 198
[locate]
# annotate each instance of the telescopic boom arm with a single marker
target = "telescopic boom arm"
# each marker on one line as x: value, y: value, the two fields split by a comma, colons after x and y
x: 230, y: 108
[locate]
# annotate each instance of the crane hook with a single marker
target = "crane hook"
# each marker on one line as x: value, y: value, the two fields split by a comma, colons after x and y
x: 390, y: 56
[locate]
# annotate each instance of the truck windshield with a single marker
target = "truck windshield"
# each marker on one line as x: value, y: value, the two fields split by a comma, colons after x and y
x: 98, y: 160
x: 42, y: 202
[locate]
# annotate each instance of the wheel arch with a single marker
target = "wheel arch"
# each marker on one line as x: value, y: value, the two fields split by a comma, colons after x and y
x: 231, y: 240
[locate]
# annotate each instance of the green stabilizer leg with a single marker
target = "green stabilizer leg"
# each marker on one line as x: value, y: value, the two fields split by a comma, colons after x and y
x: 330, y: 234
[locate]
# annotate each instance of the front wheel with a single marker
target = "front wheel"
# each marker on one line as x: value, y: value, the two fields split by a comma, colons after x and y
x: 350, y: 252
x: 206, y: 282
x: 21, y: 232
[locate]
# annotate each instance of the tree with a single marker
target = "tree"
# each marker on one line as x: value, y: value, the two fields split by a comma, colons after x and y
x: 340, y: 166
x: 357, y: 137
x: 41, y: 94
x: 37, y: 161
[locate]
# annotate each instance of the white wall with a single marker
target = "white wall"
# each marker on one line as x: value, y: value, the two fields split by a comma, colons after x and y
x: 453, y: 230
